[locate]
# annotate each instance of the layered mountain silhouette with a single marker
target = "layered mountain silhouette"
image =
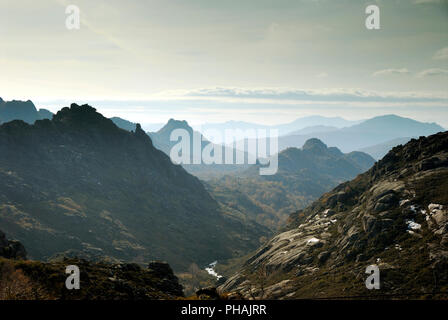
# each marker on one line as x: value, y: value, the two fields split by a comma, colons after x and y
x: 313, y: 129
x: 375, y: 136
x: 197, y: 143
x: 81, y: 186
x: 309, y: 123
x: 394, y: 216
x: 22, y: 110
x: 302, y: 176
x: 375, y: 131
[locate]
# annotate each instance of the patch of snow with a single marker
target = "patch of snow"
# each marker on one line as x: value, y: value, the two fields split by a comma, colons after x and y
x: 333, y: 220
x: 312, y: 240
x: 211, y: 271
x: 378, y: 260
x: 433, y: 206
x: 413, y: 225
x: 398, y: 247
x: 413, y: 208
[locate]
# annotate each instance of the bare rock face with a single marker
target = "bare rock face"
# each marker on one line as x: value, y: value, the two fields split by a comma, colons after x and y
x: 11, y: 249
x: 394, y: 216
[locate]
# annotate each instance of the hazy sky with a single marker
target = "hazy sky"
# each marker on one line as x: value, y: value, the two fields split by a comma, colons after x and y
x: 207, y: 60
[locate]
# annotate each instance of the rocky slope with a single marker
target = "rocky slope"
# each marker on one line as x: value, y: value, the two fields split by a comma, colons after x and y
x: 395, y: 216
x: 79, y: 185
x: 303, y: 175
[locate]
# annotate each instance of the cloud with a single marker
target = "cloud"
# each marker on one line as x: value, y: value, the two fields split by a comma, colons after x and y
x: 291, y: 95
x: 322, y: 75
x: 386, y: 72
x: 432, y: 72
x: 442, y: 54
x: 430, y: 1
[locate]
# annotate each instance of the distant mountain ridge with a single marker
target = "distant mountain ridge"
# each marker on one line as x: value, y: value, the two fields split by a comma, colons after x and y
x: 371, y: 132
x: 313, y: 129
x: 284, y: 128
x: 375, y: 136
x: 21, y: 110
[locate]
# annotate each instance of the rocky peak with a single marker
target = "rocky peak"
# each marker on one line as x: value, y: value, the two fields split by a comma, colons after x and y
x: 141, y: 134
x: 80, y: 115
x: 314, y: 145
x: 175, y: 124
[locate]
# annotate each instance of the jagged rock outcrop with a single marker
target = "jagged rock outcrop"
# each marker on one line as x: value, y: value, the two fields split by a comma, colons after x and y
x: 11, y: 249
x: 395, y: 216
x: 168, y: 281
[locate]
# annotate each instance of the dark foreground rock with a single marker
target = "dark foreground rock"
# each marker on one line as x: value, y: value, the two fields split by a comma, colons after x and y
x: 11, y: 249
x: 34, y: 280
x: 98, y: 281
